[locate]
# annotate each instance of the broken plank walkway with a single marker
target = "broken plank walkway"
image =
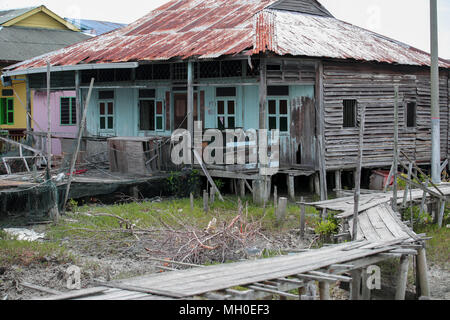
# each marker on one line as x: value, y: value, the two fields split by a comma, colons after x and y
x: 218, y: 281
x: 368, y: 201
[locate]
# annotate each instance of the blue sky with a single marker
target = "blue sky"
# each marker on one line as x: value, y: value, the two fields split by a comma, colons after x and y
x: 403, y: 20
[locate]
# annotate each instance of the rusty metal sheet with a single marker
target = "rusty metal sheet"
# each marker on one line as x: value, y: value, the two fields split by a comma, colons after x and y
x: 292, y: 33
x: 214, y: 28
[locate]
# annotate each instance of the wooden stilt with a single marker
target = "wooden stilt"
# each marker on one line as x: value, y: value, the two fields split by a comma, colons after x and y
x: 205, y: 201
x: 355, y: 289
x: 275, y: 197
x: 302, y: 219
x: 192, y: 201
x: 291, y: 187
x: 317, y: 184
x: 338, y: 182
x: 422, y: 272
x: 242, y: 188
x: 441, y: 214
x: 281, y: 211
x: 324, y: 290
x: 311, y: 183
x: 365, y: 289
x: 402, y: 278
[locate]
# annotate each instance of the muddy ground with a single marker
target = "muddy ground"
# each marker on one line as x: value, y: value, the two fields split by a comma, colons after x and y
x: 96, y: 263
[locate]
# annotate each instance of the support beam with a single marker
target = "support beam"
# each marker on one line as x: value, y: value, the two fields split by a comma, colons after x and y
x: 395, y: 164
x: 242, y: 188
x: 422, y: 272
x: 358, y: 173
x: 402, y: 280
x: 365, y: 296
x: 190, y: 100
x: 338, y: 182
x: 291, y: 187
x: 262, y: 93
x: 321, y: 127
x: 28, y: 104
x: 356, y: 285
x: 77, y: 149
x: 324, y: 290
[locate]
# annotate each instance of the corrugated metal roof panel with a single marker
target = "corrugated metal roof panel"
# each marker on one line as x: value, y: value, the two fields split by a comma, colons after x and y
x: 292, y: 33
x: 213, y: 28
x: 19, y: 44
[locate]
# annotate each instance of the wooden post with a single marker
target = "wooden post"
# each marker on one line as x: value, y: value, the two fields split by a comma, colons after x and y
x: 242, y: 188
x: 192, y: 201
x: 54, y: 210
x: 321, y: 129
x: 205, y: 201
x: 28, y: 105
x: 395, y: 165
x: 441, y: 214
x: 281, y: 210
x: 358, y: 173
x: 391, y: 173
x: 365, y: 289
x: 422, y: 272
x: 262, y: 93
x: 402, y: 280
x: 355, y: 289
x: 190, y: 100
x: 311, y: 183
x: 80, y: 134
x: 275, y: 197
x: 324, y: 290
x: 302, y: 219
x: 338, y: 182
x: 291, y: 187
x: 213, y: 194
x: 408, y: 186
x: 317, y: 184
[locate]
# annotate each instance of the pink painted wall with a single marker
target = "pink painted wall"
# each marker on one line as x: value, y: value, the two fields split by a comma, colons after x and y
x: 40, y: 117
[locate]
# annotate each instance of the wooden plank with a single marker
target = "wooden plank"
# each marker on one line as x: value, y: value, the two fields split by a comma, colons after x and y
x: 76, y: 294
x: 40, y: 288
x: 205, y: 171
x: 273, y: 272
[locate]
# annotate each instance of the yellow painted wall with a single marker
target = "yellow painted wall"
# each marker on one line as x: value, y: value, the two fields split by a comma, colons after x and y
x: 20, y: 119
x: 41, y: 20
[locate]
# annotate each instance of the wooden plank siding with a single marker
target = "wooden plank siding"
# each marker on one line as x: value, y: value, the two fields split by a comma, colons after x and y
x: 373, y: 86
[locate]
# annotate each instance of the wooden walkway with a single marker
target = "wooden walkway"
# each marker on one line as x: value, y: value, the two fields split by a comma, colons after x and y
x: 381, y: 236
x: 262, y: 278
x: 368, y: 201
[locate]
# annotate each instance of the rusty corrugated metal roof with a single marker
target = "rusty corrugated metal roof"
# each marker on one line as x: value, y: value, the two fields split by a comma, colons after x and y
x: 213, y: 28
x: 291, y: 33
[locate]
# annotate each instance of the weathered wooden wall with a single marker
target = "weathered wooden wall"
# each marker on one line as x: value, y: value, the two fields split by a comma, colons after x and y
x: 373, y: 86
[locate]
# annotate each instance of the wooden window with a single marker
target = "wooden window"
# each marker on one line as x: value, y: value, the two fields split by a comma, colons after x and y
x: 411, y: 115
x: 151, y: 111
x: 278, y: 113
x: 226, y: 114
x: 7, y: 111
x: 68, y: 111
x: 349, y: 113
x: 106, y: 115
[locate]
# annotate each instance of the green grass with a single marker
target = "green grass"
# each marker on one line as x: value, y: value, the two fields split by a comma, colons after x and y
x: 25, y: 253
x: 169, y: 213
x: 438, y: 248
